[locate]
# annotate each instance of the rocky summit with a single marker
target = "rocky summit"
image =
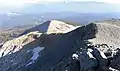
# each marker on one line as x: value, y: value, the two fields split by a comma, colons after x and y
x: 57, y: 46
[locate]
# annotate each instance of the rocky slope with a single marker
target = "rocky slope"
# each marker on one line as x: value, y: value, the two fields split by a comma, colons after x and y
x: 93, y: 47
x: 9, y: 34
x: 46, y: 27
x: 108, y: 33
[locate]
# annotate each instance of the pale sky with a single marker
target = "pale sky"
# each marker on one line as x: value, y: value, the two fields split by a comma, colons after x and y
x: 22, y: 2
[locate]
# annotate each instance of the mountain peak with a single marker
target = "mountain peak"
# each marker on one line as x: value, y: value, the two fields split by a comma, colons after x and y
x: 52, y: 26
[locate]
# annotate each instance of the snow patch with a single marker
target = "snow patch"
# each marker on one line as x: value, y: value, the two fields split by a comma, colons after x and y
x: 28, y: 51
x: 35, y: 54
x: 29, y: 63
x: 103, y: 55
x: 113, y: 69
x: 75, y: 56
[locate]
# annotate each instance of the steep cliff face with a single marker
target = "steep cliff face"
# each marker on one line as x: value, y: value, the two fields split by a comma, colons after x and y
x: 73, y: 50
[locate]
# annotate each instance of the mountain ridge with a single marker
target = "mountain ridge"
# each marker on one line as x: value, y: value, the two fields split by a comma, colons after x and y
x: 55, y: 50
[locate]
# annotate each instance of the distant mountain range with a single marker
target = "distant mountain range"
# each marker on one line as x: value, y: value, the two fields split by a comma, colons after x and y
x: 10, y: 20
x: 82, y: 7
x: 77, y: 6
x: 73, y: 11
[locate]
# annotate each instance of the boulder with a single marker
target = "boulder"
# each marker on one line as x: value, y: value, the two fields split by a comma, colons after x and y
x: 101, y: 58
x: 115, y: 63
x: 87, y: 61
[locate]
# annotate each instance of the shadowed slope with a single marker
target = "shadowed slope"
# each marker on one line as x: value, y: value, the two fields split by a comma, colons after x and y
x: 56, y: 47
x: 62, y: 48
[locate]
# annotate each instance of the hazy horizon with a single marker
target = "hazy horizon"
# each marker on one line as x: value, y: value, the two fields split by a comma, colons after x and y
x: 19, y: 12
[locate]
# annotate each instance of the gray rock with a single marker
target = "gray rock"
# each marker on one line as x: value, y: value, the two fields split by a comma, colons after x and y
x: 87, y: 61
x: 115, y: 63
x: 100, y: 56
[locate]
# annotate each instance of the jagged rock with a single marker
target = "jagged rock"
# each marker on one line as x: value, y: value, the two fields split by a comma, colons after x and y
x: 75, y: 65
x: 101, y: 58
x: 87, y: 61
x: 109, y: 53
x: 115, y: 63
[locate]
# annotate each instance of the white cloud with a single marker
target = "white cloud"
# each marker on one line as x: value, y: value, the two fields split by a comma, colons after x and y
x: 112, y: 1
x: 22, y: 2
x: 106, y: 1
x: 16, y: 2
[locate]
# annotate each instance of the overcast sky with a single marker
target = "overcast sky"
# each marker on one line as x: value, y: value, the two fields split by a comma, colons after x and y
x: 23, y: 2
